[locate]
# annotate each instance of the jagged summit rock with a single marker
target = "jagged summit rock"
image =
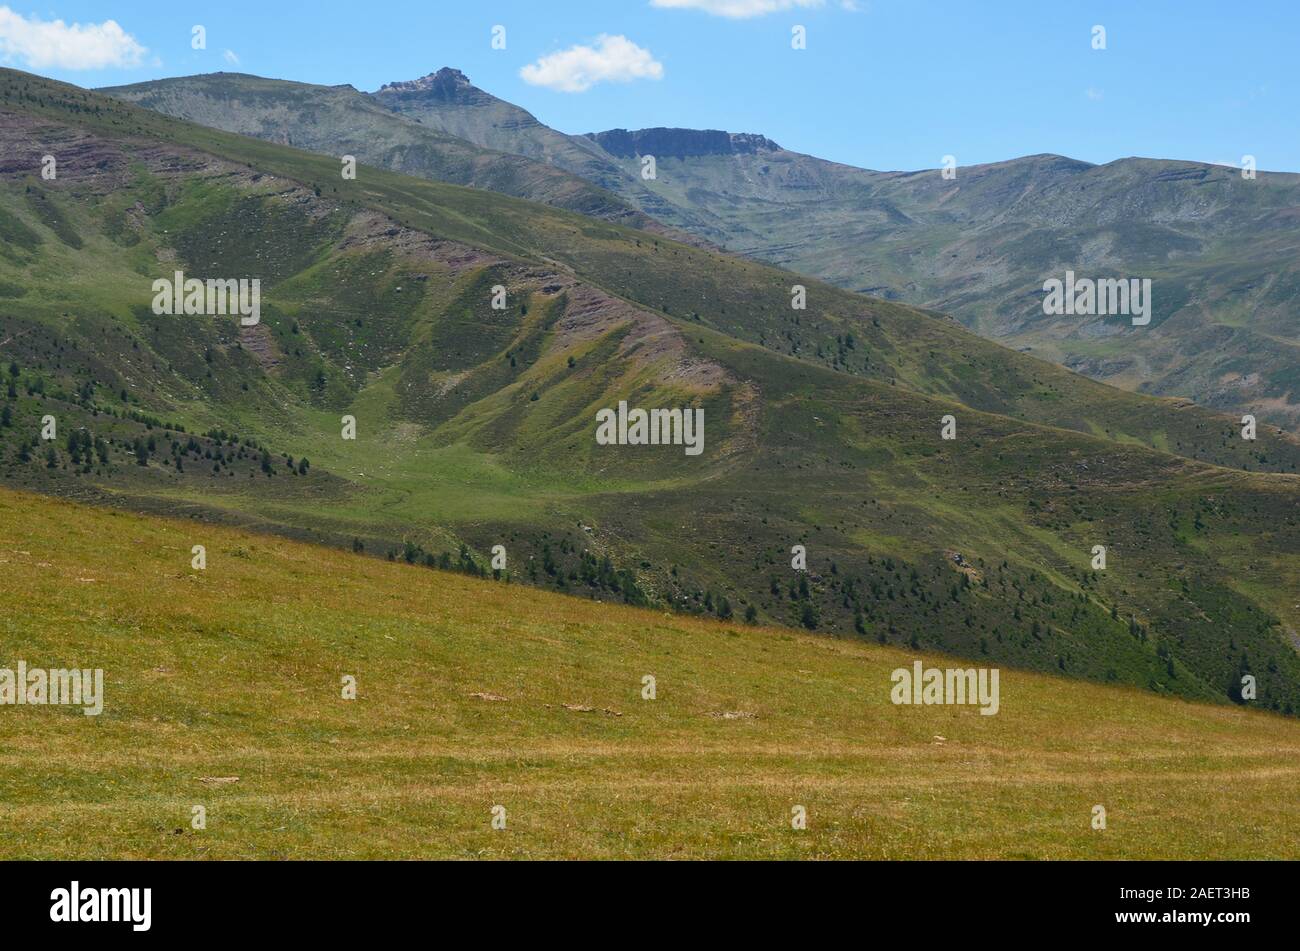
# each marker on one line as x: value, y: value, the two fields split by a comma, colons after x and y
x: 444, y: 81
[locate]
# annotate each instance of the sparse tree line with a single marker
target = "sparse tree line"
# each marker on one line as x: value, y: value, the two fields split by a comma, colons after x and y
x: 562, y: 564
x: 546, y: 561
x: 86, y: 452
x: 414, y: 554
x: 997, y: 611
x: 1011, y: 615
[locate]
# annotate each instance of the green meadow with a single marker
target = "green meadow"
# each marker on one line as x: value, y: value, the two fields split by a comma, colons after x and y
x: 223, y: 689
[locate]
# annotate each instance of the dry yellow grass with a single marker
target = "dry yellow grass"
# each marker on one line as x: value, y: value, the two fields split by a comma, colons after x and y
x: 236, y: 671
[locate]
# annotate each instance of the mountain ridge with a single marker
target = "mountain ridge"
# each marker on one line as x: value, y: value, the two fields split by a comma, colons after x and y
x: 300, y: 113
x: 981, y: 245
x: 680, y: 143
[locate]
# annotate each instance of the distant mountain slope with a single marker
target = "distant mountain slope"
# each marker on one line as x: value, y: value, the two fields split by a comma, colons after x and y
x: 448, y: 101
x: 1221, y: 251
x: 475, y: 424
x: 341, y: 121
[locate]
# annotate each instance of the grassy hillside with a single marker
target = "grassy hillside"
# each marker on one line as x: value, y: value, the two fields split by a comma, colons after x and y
x: 750, y: 302
x: 223, y: 689
x: 475, y: 426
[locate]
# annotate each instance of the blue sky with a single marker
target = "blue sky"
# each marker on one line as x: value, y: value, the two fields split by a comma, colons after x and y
x: 887, y: 84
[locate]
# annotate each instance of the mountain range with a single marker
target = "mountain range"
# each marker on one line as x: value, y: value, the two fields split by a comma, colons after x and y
x: 1219, y: 248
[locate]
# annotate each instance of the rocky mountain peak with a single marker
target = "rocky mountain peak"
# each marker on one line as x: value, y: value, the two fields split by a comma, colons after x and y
x: 445, y: 82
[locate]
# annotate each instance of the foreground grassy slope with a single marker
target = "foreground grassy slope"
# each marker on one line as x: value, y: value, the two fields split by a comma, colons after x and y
x: 223, y: 690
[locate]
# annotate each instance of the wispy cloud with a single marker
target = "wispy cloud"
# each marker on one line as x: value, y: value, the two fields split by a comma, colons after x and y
x: 53, y: 44
x: 1096, y: 95
x: 614, y: 59
x: 231, y: 57
x: 742, y: 9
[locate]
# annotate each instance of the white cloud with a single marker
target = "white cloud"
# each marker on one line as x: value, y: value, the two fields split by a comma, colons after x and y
x: 614, y: 59
x: 46, y: 44
x: 1096, y: 95
x: 230, y: 57
x: 741, y: 9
